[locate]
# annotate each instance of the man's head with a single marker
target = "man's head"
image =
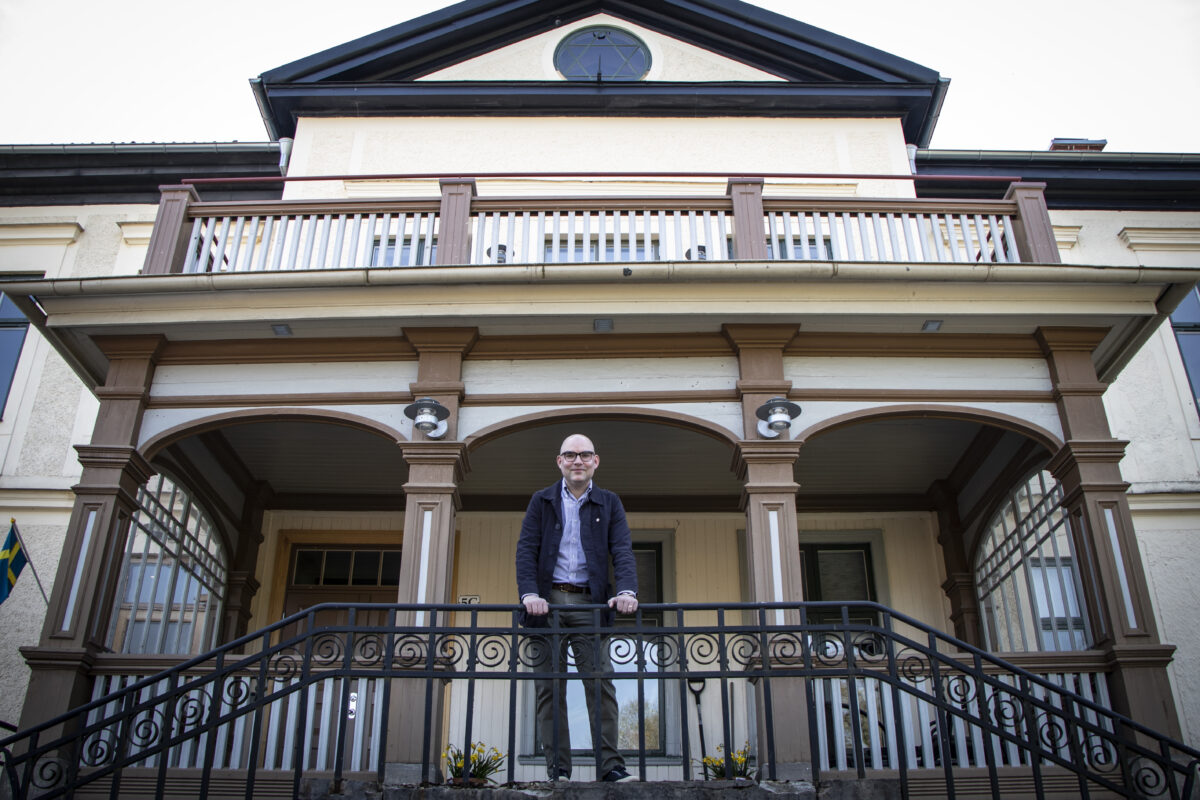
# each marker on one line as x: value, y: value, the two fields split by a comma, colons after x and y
x: 577, y: 460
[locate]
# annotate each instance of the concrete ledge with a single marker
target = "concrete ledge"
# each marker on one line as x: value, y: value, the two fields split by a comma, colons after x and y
x: 321, y: 789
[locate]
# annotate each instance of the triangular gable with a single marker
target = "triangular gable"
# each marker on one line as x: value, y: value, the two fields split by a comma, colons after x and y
x: 822, y: 74
x: 532, y: 59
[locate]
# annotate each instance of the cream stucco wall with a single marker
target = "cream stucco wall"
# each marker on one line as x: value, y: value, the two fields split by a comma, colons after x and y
x: 1168, y: 530
x: 1128, y: 238
x: 48, y: 409
x: 532, y: 59
x: 727, y: 146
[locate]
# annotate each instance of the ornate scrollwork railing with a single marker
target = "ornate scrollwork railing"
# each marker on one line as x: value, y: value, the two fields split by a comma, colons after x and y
x: 887, y: 693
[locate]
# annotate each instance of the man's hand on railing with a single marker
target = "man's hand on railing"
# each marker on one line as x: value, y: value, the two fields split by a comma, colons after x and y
x: 535, y: 606
x: 623, y: 603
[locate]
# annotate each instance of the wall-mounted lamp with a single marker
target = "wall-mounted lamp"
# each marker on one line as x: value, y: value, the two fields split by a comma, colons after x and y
x: 428, y: 416
x: 775, y: 416
x: 501, y: 254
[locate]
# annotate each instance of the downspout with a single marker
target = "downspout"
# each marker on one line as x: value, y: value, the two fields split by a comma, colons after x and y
x: 264, y: 107
x: 285, y: 154
x: 934, y: 113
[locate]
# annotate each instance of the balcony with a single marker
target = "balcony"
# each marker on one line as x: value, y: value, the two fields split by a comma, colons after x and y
x: 882, y: 697
x: 463, y: 229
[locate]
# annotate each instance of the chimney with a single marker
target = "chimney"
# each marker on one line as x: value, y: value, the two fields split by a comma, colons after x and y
x: 1086, y: 145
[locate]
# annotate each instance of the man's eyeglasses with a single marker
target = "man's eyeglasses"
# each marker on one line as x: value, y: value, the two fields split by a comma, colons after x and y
x: 569, y: 455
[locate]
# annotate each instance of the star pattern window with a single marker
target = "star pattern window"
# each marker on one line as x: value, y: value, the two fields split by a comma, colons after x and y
x: 602, y: 53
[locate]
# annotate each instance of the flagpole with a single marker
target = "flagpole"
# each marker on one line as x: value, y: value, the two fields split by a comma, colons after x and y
x: 29, y: 561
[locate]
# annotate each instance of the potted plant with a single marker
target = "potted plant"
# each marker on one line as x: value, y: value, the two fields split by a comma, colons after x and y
x: 714, y: 766
x: 474, y: 767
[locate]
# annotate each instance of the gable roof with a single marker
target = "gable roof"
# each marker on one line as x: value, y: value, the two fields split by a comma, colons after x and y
x: 823, y: 74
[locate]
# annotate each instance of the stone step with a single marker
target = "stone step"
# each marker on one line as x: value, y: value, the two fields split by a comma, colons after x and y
x: 319, y: 789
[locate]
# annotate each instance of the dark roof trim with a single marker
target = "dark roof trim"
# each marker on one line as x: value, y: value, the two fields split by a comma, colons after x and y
x: 757, y: 37
x: 363, y: 76
x: 1074, y: 179
x: 910, y: 102
x: 89, y: 174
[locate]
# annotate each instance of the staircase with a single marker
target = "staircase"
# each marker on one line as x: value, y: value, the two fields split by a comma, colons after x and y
x: 880, y: 707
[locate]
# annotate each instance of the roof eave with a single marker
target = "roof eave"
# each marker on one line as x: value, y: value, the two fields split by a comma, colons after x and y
x: 912, y: 103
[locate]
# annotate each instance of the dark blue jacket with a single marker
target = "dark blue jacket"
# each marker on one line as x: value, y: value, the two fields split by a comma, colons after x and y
x: 603, y: 532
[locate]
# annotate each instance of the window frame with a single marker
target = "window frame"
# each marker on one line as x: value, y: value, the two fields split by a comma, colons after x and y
x: 15, y: 322
x: 569, y: 41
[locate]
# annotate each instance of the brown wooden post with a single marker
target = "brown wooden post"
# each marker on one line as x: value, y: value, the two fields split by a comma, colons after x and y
x: 1114, y: 584
x: 242, y: 586
x: 172, y: 230
x: 749, y: 241
x: 772, y: 543
x: 439, y: 368
x: 435, y: 471
x: 454, y: 221
x: 760, y: 367
x: 1032, y: 227
x: 77, y: 620
x: 773, y: 557
x: 959, y: 585
x: 436, y: 468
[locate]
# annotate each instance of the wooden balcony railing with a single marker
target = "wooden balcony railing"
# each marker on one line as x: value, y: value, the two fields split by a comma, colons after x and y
x: 462, y: 229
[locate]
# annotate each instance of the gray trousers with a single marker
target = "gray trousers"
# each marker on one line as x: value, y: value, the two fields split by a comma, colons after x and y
x: 591, y: 654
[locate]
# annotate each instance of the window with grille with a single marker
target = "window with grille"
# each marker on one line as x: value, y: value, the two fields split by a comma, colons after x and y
x: 172, y: 587
x: 365, y: 567
x: 1026, y: 575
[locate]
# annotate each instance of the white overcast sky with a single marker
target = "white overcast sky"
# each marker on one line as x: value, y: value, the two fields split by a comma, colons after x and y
x: 1022, y: 72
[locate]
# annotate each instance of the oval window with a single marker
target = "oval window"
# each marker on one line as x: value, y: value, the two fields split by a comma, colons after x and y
x: 602, y: 53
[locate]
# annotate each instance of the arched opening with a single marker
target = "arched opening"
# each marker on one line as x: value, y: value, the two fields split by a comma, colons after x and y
x: 891, y: 501
x: 312, y: 504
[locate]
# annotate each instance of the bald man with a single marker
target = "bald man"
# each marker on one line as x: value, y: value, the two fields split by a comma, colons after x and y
x: 571, y: 531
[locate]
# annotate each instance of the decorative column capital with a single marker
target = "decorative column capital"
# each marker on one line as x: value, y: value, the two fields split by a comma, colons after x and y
x: 763, y: 452
x: 759, y: 335
x: 435, y: 468
x: 109, y: 469
x: 765, y: 468
x: 1089, y: 466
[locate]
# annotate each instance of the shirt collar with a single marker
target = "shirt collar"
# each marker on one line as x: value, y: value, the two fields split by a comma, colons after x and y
x: 566, y: 493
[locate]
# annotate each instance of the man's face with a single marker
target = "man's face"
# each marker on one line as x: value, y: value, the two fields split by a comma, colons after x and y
x: 578, y: 471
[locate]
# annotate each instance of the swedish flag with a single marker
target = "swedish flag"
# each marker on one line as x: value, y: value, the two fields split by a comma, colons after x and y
x: 12, y: 561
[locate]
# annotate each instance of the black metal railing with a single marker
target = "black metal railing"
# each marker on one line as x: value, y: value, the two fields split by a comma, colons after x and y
x: 854, y: 690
